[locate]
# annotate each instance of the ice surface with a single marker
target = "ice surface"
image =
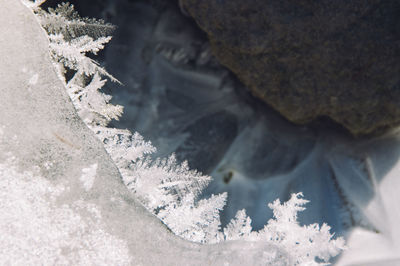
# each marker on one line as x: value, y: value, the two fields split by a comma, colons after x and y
x: 36, y: 229
x: 352, y: 185
x: 44, y: 149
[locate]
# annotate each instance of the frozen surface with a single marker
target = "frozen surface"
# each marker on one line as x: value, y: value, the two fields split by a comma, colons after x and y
x: 54, y: 233
x: 176, y: 96
x: 46, y: 152
x: 60, y: 188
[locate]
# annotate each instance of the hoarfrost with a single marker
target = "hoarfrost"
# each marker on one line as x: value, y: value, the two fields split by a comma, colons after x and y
x: 54, y: 234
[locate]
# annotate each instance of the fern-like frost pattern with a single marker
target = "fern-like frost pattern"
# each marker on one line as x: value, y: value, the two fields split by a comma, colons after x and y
x: 165, y: 187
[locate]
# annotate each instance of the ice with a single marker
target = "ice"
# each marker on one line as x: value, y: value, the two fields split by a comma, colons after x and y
x: 44, y: 147
x: 36, y: 230
x: 46, y: 150
x: 383, y: 209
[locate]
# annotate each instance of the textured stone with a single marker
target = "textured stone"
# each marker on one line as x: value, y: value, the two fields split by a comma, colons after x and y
x: 310, y: 59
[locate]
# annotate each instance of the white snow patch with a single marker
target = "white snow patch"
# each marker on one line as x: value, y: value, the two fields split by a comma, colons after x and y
x: 88, y: 176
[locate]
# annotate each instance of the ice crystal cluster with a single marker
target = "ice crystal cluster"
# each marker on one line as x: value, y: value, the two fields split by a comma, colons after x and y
x: 60, y: 236
x: 168, y: 189
x: 38, y: 227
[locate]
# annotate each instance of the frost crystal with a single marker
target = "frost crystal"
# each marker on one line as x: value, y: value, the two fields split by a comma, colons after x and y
x: 71, y: 38
x: 72, y: 54
x: 303, y: 243
x: 166, y: 188
x: 54, y: 234
x: 239, y: 227
x: 196, y: 222
x: 66, y: 21
x: 92, y: 105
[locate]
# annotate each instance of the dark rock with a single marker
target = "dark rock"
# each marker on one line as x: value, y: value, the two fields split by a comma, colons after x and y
x: 308, y: 59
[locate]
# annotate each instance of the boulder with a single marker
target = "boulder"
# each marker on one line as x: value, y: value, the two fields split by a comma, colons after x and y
x: 310, y: 59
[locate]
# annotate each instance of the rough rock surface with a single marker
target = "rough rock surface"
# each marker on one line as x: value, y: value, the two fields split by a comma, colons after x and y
x: 310, y: 59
